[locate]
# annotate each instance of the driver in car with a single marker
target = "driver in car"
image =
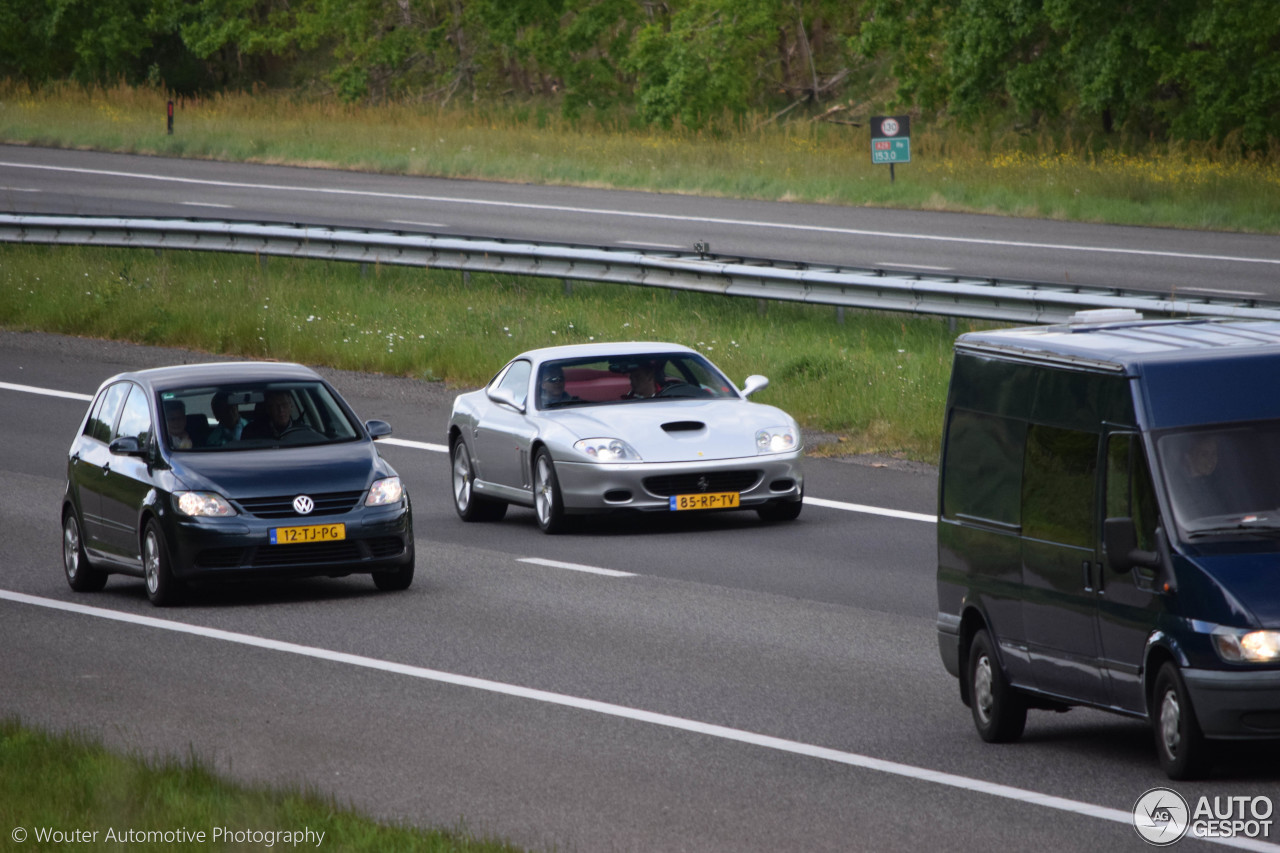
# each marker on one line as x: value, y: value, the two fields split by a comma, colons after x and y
x: 279, y: 418
x: 644, y: 383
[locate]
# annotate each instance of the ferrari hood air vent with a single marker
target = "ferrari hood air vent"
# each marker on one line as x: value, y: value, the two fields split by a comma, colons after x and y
x: 684, y: 426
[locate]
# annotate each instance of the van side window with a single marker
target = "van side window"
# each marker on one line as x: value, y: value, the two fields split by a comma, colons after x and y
x: 982, y: 471
x: 1130, y: 493
x: 1058, y: 485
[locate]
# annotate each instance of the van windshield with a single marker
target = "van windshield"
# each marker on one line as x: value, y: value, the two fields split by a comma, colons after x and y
x: 1224, y: 479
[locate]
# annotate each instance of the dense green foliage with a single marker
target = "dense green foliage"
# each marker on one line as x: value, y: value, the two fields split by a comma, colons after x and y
x: 1169, y: 69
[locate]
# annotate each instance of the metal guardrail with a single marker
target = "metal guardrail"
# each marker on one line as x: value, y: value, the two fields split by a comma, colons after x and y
x: 843, y: 287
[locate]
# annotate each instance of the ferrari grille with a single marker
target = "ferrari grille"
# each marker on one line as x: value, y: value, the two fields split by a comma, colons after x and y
x: 711, y: 481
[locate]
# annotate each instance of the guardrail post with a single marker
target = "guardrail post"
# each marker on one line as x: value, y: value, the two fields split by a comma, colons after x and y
x: 840, y: 315
x: 568, y: 287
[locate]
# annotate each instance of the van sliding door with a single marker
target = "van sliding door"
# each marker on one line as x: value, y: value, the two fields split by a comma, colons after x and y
x: 1059, y: 535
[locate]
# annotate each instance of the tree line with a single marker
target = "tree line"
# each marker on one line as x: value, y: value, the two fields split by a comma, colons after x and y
x: 1170, y: 69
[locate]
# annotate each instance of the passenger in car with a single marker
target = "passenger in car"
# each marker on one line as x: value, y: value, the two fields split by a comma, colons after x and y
x: 551, y: 389
x: 230, y: 423
x: 175, y: 416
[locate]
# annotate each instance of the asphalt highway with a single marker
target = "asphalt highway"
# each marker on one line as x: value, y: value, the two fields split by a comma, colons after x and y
x: 727, y: 686
x: 1162, y: 260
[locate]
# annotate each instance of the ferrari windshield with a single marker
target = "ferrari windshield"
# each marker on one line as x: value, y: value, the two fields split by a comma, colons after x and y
x: 1225, y: 478
x: 629, y: 379
x: 249, y: 416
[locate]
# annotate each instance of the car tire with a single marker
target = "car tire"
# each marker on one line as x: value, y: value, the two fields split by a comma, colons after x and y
x: 1184, y: 753
x: 399, y: 579
x: 782, y: 510
x: 81, y: 575
x: 469, y: 505
x: 548, y: 505
x: 163, y: 588
x: 999, y: 711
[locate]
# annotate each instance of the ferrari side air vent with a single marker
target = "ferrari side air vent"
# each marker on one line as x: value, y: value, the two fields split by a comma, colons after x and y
x: 684, y: 426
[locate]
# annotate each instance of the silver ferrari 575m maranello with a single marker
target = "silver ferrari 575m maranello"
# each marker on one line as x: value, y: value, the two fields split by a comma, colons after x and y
x: 598, y: 428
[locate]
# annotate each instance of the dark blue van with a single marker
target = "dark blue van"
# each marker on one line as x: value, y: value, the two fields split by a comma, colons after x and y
x: 1109, y: 527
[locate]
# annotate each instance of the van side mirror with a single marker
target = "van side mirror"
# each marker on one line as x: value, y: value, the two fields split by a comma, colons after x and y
x: 1120, y: 538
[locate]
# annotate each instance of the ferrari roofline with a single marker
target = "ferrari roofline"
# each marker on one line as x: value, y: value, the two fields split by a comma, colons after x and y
x: 604, y: 349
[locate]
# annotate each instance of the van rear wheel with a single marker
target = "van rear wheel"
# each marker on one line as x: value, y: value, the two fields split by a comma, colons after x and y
x: 1184, y: 752
x: 999, y: 711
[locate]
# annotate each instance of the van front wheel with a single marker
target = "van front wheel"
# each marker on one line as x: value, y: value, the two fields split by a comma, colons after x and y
x: 999, y: 711
x: 1184, y: 752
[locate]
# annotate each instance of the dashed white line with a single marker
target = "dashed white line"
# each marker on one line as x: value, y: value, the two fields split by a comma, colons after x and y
x: 416, y: 445
x: 870, y: 510
x: 205, y: 204
x: 575, y: 567
x: 851, y: 759
x: 46, y: 392
x: 645, y: 245
x: 909, y: 266
x: 417, y: 224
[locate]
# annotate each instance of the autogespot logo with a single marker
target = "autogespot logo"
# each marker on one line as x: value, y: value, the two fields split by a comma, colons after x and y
x: 1161, y: 816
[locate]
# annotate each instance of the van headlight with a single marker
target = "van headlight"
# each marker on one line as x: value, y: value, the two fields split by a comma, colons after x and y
x: 1238, y: 646
x: 203, y: 504
x: 385, y: 491
x: 777, y: 440
x: 607, y: 450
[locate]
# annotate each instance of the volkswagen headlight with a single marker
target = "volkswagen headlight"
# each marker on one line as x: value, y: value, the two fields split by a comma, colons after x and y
x: 385, y: 491
x: 1238, y: 646
x: 203, y: 504
x: 777, y: 440
x: 607, y: 450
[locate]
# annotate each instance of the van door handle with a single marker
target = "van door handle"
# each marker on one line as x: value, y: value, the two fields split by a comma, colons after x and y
x: 1088, y: 575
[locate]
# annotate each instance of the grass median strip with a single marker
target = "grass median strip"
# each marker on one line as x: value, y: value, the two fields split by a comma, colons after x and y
x: 875, y: 383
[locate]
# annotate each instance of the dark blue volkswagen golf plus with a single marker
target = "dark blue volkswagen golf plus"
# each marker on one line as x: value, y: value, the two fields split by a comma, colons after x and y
x: 229, y: 470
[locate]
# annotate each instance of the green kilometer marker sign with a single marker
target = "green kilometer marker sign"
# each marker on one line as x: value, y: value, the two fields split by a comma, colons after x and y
x: 891, y: 139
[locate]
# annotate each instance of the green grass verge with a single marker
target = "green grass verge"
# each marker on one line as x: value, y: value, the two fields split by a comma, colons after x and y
x: 876, y: 382
x: 72, y: 784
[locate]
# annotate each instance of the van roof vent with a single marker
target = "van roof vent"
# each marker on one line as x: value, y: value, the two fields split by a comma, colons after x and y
x: 1105, y: 315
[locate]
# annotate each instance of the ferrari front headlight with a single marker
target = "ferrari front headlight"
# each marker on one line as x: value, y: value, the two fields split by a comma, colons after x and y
x: 607, y: 450
x: 777, y: 440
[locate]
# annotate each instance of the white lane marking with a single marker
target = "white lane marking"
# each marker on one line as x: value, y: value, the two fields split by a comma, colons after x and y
x: 440, y: 448
x: 645, y: 245
x: 871, y: 510
x: 711, y: 220
x: 576, y: 567
x: 1223, y: 292
x: 47, y: 392
x: 417, y: 224
x: 852, y: 759
x: 909, y: 266
x: 205, y: 204
x: 416, y: 445
x: 22, y: 190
